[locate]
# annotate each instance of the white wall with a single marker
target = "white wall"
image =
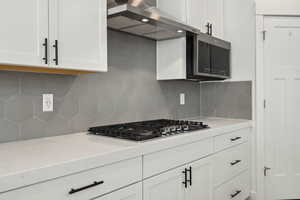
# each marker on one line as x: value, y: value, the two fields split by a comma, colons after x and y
x: 278, y: 7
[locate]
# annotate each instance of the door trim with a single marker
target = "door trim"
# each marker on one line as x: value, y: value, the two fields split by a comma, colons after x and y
x: 258, y: 175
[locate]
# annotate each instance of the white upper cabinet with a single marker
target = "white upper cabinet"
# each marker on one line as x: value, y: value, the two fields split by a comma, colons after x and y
x: 57, y: 34
x: 174, y: 8
x: 239, y: 29
x: 215, y: 16
x: 79, y: 29
x: 278, y: 7
x: 197, y: 14
x: 203, y: 12
x: 24, y: 28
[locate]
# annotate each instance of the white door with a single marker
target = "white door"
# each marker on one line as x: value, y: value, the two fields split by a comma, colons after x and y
x: 215, y: 16
x: 197, y: 14
x: 24, y: 28
x: 174, y: 8
x: 282, y: 75
x: 78, y: 33
x: 166, y: 186
x: 202, y: 180
x: 133, y: 192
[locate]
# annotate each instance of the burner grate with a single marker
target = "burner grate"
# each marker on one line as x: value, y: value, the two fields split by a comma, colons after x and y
x: 145, y: 130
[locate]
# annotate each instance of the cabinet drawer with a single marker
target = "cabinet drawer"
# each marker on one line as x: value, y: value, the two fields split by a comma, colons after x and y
x: 231, y: 139
x: 236, y: 189
x: 231, y: 162
x: 84, y: 185
x: 161, y: 161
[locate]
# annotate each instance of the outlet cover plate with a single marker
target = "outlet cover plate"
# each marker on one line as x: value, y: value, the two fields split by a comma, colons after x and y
x: 47, y: 102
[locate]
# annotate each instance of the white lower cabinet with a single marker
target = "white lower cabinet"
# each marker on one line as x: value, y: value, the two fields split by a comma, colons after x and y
x: 230, y: 162
x: 82, y: 186
x: 190, y: 182
x: 236, y: 189
x: 133, y: 192
x: 166, y: 186
x: 201, y: 180
x: 194, y: 171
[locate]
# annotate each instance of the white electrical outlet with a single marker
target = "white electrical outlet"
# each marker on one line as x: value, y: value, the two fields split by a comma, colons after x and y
x: 182, y: 99
x: 47, y: 102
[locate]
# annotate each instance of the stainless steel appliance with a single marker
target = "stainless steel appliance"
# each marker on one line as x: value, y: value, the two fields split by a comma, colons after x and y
x: 208, y: 58
x: 142, y: 18
x: 145, y: 130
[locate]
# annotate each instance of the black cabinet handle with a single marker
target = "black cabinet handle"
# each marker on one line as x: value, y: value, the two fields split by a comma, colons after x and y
x: 190, y: 174
x: 72, y: 191
x: 211, y: 29
x: 235, y: 194
x: 235, y: 139
x: 185, y: 178
x: 208, y: 28
x: 45, y: 44
x: 56, y: 52
x: 235, y: 162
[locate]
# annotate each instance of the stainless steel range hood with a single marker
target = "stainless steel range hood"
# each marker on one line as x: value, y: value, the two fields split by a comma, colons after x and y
x: 138, y: 17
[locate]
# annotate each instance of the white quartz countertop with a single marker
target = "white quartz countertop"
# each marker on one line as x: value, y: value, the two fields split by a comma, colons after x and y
x: 27, y: 162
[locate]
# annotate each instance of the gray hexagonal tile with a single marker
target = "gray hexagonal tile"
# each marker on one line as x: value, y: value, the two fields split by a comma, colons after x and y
x: 46, y: 116
x: 88, y: 105
x: 58, y: 126
x: 9, y: 84
x: 31, y: 84
x: 69, y: 107
x: 1, y: 109
x: 19, y: 108
x: 32, y: 128
x: 81, y: 123
x: 59, y: 85
x: 9, y: 131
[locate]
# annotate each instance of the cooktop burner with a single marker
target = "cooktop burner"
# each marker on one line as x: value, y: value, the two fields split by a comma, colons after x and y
x: 145, y: 130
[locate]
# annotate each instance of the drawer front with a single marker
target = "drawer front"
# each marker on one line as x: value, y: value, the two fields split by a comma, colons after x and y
x: 236, y: 189
x: 164, y: 160
x: 85, y: 185
x: 133, y: 192
x: 231, y: 139
x: 230, y: 162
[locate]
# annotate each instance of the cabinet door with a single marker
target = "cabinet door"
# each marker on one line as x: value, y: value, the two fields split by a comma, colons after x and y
x: 133, y: 192
x: 215, y: 12
x: 166, y: 186
x: 197, y: 14
x: 202, y: 180
x: 174, y: 8
x: 24, y: 28
x: 80, y: 29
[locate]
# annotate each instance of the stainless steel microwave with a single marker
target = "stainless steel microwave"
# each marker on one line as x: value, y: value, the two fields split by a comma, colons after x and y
x: 208, y: 58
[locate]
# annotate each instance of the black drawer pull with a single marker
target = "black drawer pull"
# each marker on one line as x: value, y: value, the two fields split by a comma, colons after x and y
x: 235, y: 139
x: 235, y: 162
x: 235, y: 194
x: 185, y: 178
x: 72, y: 191
x: 45, y: 44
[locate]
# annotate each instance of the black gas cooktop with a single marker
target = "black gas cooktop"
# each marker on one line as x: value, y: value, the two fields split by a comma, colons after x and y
x: 145, y: 130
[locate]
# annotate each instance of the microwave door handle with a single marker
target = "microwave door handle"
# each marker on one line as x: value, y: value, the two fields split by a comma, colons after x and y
x: 196, y: 58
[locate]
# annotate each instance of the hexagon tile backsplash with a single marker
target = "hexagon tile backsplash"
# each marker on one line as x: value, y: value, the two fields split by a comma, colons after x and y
x: 128, y: 92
